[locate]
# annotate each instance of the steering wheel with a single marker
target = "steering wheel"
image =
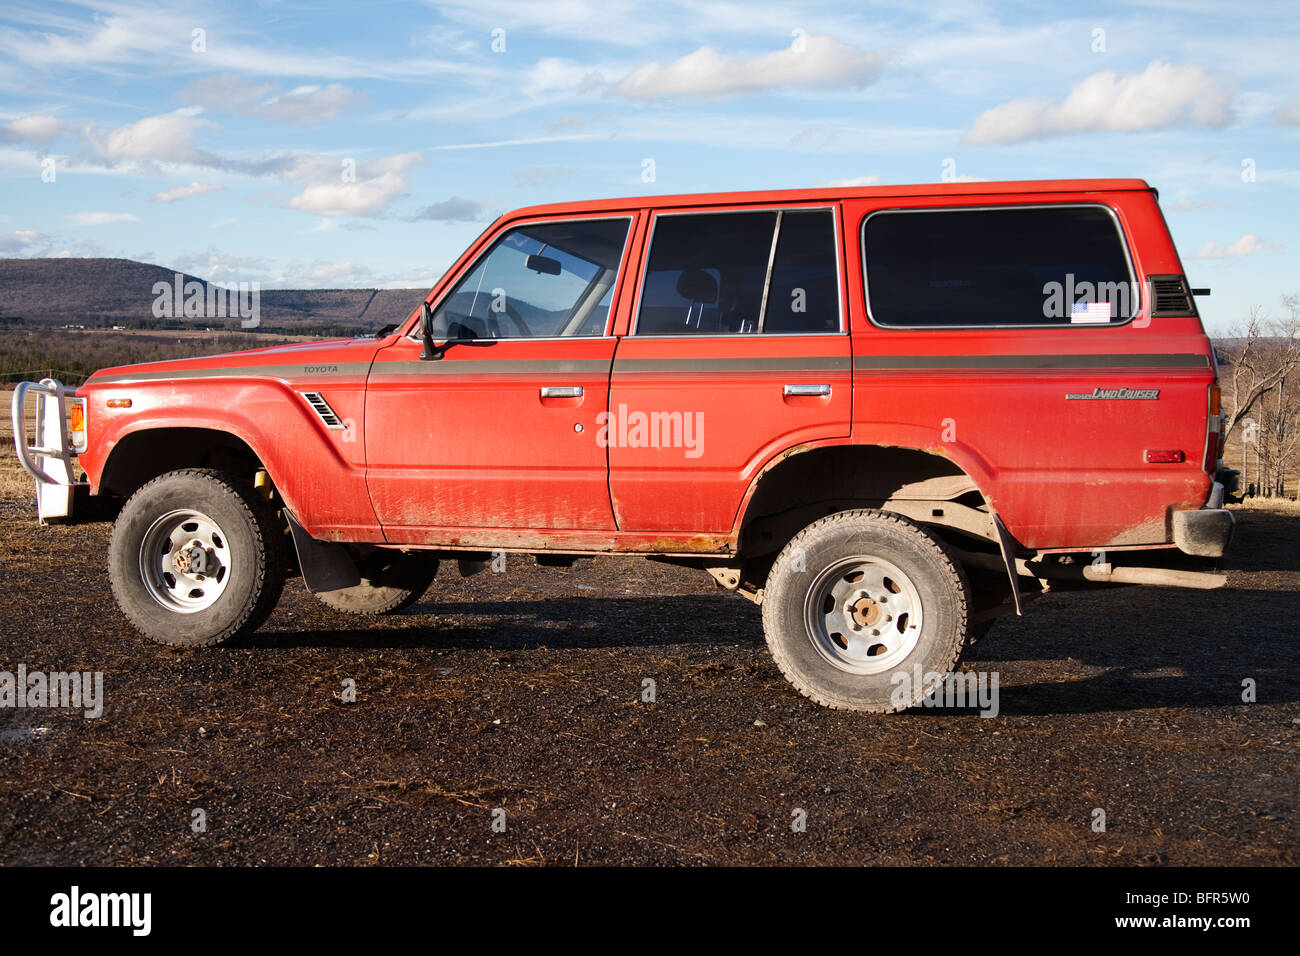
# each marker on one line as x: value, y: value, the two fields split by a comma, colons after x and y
x: 524, y: 330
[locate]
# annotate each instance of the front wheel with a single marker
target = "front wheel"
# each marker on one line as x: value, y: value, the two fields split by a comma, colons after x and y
x: 196, y: 558
x: 861, y: 604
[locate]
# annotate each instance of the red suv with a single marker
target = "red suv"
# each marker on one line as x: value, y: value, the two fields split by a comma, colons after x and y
x: 886, y: 414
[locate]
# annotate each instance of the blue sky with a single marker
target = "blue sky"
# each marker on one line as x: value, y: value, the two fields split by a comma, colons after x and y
x: 326, y: 145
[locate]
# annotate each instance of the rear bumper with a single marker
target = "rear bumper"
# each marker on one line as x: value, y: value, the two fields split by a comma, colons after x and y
x: 1206, y: 533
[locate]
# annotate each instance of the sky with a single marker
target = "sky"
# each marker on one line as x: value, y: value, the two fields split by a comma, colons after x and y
x: 325, y: 145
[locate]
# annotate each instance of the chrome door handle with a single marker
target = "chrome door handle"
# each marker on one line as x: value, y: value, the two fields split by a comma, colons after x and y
x: 561, y: 391
x: 807, y: 390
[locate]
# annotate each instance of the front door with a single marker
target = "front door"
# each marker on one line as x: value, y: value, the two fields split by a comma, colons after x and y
x: 500, y: 432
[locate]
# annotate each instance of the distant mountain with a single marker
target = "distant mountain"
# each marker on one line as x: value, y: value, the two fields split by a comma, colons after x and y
x: 109, y: 291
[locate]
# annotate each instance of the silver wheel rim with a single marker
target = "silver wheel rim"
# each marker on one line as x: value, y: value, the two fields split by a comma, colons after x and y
x: 185, y: 561
x: 863, y: 615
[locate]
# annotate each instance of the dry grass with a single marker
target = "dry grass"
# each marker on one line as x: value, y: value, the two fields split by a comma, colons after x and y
x: 15, y: 484
x: 1278, y: 505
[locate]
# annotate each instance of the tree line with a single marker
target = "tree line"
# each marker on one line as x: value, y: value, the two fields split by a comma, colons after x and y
x: 1259, y: 373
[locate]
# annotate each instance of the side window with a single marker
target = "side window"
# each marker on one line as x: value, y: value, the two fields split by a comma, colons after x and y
x: 549, y: 279
x: 804, y: 295
x: 707, y: 274
x: 1032, y: 266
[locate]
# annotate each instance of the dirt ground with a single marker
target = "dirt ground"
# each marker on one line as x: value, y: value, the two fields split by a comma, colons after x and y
x: 522, y: 691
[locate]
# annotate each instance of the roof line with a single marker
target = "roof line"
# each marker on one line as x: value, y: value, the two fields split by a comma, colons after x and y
x: 838, y: 193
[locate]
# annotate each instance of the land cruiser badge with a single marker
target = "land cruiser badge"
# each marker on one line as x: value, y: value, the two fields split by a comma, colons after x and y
x: 1116, y: 394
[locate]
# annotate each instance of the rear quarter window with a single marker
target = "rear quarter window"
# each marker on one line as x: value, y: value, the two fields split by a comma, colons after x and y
x: 1030, y: 266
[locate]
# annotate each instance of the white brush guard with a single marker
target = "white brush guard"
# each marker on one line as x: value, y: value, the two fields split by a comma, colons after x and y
x: 49, y: 457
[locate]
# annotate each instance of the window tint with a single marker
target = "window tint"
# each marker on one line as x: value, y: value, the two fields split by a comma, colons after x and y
x: 707, y: 272
x: 1035, y: 266
x: 805, y: 292
x: 551, y: 279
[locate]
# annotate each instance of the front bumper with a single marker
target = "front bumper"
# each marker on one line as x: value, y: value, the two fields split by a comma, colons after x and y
x: 1206, y: 533
x: 49, y: 459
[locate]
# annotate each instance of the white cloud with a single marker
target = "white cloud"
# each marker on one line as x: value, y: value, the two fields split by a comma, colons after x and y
x: 1247, y: 245
x: 37, y: 130
x: 1160, y: 96
x: 101, y: 218
x: 167, y: 138
x: 217, y: 266
x: 13, y: 243
x: 628, y: 23
x: 185, y: 192
x: 376, y: 185
x: 301, y: 106
x: 814, y: 63
x: 308, y: 105
x: 225, y: 91
x: 325, y: 275
x: 1290, y: 115
x: 529, y: 141
x: 116, y: 36
x: 551, y: 74
x: 454, y: 209
x: 855, y: 181
x: 146, y: 144
x: 1188, y: 205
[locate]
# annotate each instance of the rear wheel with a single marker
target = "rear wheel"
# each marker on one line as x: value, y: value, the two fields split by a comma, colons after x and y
x: 390, y: 582
x: 196, y: 558
x: 858, y: 604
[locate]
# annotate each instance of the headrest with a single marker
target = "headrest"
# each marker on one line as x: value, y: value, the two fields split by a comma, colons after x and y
x: 697, y: 286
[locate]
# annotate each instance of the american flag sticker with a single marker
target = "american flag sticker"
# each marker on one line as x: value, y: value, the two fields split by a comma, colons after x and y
x: 1082, y: 312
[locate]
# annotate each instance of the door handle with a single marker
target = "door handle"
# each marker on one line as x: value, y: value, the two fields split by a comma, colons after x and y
x: 561, y: 391
x: 806, y: 390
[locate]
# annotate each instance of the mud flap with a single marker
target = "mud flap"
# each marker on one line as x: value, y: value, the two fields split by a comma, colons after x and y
x: 1007, y: 547
x: 325, y: 565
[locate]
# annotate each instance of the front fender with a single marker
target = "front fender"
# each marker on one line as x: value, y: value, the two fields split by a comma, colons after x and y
x: 318, y: 471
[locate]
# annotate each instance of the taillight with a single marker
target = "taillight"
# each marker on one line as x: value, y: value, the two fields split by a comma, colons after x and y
x: 1213, y: 429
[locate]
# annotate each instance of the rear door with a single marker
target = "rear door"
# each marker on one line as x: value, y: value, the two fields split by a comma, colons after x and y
x: 738, y: 351
x: 499, y: 432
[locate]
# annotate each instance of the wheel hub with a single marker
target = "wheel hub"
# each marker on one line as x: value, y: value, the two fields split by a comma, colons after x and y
x: 863, y: 614
x: 864, y: 611
x: 185, y: 561
x: 192, y: 559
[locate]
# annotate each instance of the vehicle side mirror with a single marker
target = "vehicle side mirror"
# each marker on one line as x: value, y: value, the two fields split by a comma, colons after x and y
x: 429, y: 352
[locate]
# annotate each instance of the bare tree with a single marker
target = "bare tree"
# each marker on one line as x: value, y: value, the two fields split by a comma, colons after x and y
x: 1261, y: 357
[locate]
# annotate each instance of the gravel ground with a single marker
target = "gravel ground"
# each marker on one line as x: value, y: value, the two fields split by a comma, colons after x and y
x: 522, y: 692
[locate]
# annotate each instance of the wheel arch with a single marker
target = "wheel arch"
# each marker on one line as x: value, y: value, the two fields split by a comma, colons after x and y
x: 144, y: 453
x: 804, y: 477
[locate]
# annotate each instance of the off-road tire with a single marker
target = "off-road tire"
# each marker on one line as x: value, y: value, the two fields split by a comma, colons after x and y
x: 251, y: 532
x: 390, y: 582
x: 937, y: 578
